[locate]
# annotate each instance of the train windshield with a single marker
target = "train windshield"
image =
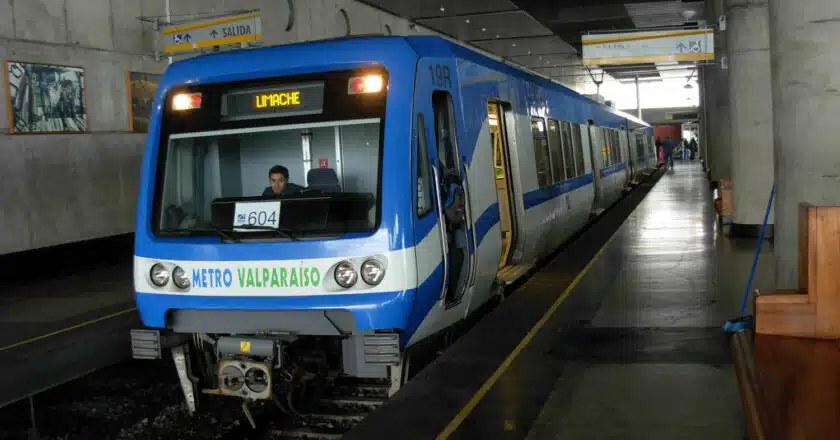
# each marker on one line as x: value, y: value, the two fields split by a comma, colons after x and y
x: 316, y: 178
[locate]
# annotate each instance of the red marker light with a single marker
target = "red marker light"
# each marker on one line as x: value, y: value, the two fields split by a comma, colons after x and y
x: 365, y: 84
x: 186, y: 101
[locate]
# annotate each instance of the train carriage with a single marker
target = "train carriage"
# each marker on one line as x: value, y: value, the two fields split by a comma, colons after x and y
x: 419, y: 177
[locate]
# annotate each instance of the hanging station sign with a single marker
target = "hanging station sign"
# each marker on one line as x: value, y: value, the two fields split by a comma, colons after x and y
x: 649, y: 47
x: 218, y: 31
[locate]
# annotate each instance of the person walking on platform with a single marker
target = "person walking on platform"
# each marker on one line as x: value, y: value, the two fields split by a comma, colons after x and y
x: 668, y: 148
x: 693, y: 147
x: 658, y: 143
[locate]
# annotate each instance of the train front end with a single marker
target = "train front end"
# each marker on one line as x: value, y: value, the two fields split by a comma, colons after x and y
x: 270, y: 257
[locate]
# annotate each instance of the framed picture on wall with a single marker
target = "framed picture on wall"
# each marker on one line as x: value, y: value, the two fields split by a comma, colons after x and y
x: 45, y: 98
x: 141, y: 95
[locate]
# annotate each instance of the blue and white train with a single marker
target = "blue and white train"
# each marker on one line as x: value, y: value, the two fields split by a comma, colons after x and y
x: 420, y: 177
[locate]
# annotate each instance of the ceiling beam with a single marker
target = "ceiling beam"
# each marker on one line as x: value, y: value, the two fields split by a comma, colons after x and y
x: 474, y: 15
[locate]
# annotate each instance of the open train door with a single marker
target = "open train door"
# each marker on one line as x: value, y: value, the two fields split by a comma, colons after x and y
x: 596, y: 143
x: 443, y: 181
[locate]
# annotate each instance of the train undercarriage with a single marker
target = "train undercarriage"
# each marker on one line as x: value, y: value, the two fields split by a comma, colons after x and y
x: 291, y: 372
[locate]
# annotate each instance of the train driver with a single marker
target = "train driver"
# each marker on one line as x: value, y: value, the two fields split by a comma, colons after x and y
x: 278, y: 179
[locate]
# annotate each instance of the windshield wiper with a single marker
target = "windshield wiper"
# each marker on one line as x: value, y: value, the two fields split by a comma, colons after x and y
x: 219, y: 231
x: 279, y: 232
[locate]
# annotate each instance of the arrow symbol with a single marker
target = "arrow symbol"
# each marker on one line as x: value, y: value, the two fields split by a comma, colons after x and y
x: 213, y: 33
x: 187, y: 38
x: 681, y: 47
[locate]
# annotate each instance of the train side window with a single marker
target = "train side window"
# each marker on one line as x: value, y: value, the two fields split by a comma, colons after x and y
x: 607, y: 147
x: 445, y: 133
x: 568, y: 149
x: 621, y: 135
x: 555, y: 149
x: 617, y: 143
x: 541, y: 155
x: 577, y: 140
x: 616, y: 151
x: 424, y: 187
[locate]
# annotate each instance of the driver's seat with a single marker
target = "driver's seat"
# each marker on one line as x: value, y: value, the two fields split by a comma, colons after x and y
x: 324, y: 179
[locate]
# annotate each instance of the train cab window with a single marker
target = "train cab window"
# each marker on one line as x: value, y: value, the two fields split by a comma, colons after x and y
x: 568, y: 149
x: 541, y: 155
x: 577, y: 140
x: 445, y: 133
x: 424, y: 189
x: 325, y: 175
x: 556, y: 151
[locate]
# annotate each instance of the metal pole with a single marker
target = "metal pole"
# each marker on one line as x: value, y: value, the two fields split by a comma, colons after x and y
x: 168, y: 21
x: 638, y: 99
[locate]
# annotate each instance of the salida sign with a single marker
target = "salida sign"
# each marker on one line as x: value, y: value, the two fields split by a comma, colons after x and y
x: 222, y: 31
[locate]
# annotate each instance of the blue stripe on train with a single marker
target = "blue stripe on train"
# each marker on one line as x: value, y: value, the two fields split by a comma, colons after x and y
x: 490, y: 216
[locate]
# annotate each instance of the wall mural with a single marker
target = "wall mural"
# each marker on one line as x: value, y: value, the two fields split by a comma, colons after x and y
x: 141, y: 97
x: 45, y: 98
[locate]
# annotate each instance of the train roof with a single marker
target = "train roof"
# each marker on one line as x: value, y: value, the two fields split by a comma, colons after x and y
x: 421, y: 45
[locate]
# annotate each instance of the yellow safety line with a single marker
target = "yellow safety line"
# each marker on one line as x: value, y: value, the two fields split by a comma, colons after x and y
x: 65, y: 330
x: 189, y: 27
x: 476, y: 398
x: 643, y: 37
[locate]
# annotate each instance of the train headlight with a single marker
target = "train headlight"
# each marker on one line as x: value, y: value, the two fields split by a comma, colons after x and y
x: 180, y: 278
x: 159, y: 275
x: 373, y: 272
x: 186, y: 101
x: 345, y: 275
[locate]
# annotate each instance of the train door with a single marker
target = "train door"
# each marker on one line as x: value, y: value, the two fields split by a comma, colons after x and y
x: 632, y: 155
x: 626, y: 157
x: 497, y: 116
x: 596, y: 142
x: 435, y: 101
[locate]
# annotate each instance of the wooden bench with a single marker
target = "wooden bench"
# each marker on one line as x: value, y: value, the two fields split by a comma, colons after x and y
x: 789, y: 368
x: 790, y: 387
x: 812, y: 311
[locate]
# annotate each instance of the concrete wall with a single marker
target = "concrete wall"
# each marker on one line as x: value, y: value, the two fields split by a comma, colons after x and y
x: 61, y: 188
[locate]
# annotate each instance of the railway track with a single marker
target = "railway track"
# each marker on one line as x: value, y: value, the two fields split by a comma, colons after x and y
x: 343, y: 406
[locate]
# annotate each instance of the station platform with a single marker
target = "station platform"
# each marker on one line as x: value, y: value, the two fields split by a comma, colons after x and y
x: 55, y: 330
x: 621, y: 341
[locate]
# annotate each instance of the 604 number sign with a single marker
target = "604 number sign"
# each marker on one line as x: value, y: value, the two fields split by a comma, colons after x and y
x: 257, y: 214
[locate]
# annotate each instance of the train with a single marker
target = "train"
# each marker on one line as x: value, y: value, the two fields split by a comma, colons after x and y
x: 317, y: 210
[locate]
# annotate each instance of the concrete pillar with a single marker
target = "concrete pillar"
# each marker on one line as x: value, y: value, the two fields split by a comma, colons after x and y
x: 804, y: 43
x: 751, y: 113
x: 704, y: 119
x: 718, y: 100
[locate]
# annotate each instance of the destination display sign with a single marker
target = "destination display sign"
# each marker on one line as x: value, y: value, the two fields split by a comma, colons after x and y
x: 270, y: 102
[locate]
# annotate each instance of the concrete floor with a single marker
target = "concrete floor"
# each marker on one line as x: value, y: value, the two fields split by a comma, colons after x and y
x: 658, y: 367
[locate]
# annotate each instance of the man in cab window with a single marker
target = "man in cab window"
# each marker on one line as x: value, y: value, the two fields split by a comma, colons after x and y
x: 278, y: 179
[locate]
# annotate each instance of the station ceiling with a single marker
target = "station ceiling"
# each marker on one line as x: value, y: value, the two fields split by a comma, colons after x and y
x: 543, y: 34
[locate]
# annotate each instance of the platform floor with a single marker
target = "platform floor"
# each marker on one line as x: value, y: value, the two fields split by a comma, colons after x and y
x: 657, y: 364
x: 57, y: 329
x: 630, y: 346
